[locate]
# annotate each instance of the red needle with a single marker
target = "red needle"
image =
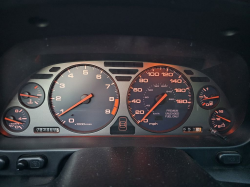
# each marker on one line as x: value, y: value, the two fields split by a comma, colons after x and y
x: 24, y: 95
x: 75, y: 105
x: 215, y: 97
x: 8, y: 119
x: 223, y: 118
x: 156, y: 104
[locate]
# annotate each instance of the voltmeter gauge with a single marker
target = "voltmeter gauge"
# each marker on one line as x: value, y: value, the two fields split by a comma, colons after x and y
x: 220, y: 120
x: 208, y: 97
x: 16, y: 119
x: 31, y: 95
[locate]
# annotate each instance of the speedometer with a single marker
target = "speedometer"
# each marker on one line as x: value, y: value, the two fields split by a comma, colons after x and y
x: 160, y: 99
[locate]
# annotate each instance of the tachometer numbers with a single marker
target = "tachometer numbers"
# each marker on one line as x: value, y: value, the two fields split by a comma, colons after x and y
x: 83, y: 98
x: 220, y: 120
x: 16, y: 119
x: 31, y: 95
x: 208, y: 97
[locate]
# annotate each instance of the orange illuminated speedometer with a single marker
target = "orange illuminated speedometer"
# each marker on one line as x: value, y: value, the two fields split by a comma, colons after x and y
x: 160, y: 99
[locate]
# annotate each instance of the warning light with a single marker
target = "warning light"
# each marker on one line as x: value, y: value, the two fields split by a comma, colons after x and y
x: 192, y: 129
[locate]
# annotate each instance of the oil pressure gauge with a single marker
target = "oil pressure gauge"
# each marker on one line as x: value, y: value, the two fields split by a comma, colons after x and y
x: 208, y: 97
x: 31, y: 95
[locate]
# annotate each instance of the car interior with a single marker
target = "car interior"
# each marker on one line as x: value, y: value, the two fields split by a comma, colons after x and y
x: 124, y: 93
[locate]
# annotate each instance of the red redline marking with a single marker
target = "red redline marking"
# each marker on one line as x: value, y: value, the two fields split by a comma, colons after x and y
x: 115, y: 107
x: 114, y: 111
x: 116, y: 102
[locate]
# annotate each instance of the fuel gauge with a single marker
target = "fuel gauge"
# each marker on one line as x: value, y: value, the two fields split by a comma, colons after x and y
x: 31, y: 95
x: 208, y: 97
x: 16, y: 119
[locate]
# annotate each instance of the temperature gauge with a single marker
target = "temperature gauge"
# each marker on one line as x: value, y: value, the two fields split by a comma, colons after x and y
x: 208, y: 97
x: 220, y: 119
x: 31, y: 95
x: 16, y: 119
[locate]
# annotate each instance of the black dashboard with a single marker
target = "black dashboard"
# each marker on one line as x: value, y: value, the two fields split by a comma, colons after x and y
x: 102, y: 96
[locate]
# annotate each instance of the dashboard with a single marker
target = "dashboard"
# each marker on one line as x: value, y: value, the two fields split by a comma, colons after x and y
x: 115, y: 107
x: 112, y: 98
x: 124, y: 93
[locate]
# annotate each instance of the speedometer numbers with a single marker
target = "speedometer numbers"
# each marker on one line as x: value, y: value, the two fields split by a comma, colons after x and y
x: 84, y: 98
x: 160, y: 99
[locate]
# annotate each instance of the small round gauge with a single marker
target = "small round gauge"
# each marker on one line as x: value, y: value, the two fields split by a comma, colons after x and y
x: 160, y: 99
x: 83, y: 98
x: 208, y: 97
x: 16, y: 119
x: 220, y: 119
x: 31, y: 95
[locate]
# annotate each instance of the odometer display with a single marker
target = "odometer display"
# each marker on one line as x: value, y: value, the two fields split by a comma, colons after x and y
x: 84, y: 98
x: 160, y: 99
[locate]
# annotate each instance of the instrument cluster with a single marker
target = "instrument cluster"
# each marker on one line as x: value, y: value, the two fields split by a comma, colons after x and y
x: 100, y: 98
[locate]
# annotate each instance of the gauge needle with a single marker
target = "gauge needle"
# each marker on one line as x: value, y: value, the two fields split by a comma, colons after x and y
x: 215, y: 97
x: 8, y: 119
x: 78, y: 103
x: 156, y: 104
x: 24, y: 95
x: 223, y: 118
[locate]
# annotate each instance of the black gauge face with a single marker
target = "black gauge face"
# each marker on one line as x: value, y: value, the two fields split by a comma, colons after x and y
x: 84, y: 98
x: 16, y: 119
x: 220, y: 120
x: 208, y: 97
x: 31, y: 95
x: 160, y: 99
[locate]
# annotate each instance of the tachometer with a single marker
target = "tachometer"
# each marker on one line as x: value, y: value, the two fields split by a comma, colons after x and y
x: 160, y: 99
x: 84, y: 98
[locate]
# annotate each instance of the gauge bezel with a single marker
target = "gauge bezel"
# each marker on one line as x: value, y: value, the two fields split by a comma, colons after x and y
x: 7, y: 126
x: 20, y: 100
x: 225, y: 130
x: 198, y: 99
x: 191, y: 105
x: 57, y: 119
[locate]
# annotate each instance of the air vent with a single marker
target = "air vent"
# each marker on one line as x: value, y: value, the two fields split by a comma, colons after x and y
x: 123, y: 78
x: 41, y: 76
x: 54, y: 69
x: 200, y: 79
x: 124, y: 64
x: 189, y: 72
x: 123, y: 71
